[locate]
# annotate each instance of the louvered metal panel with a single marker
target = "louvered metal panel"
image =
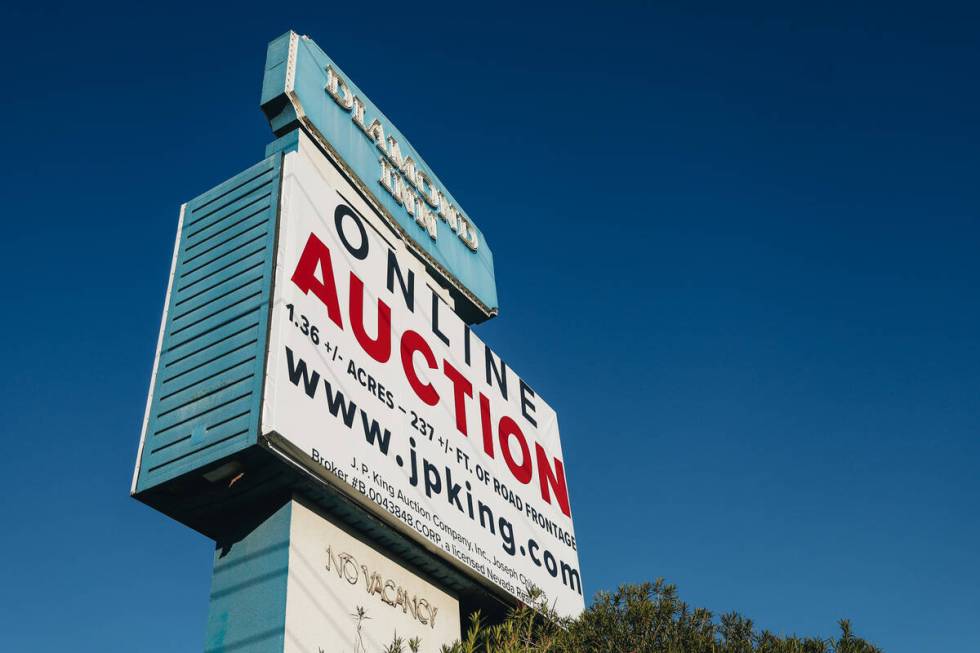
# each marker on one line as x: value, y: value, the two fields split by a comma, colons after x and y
x: 206, y: 391
x: 205, y: 399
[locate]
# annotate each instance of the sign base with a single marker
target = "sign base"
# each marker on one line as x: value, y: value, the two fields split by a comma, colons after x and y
x: 300, y: 583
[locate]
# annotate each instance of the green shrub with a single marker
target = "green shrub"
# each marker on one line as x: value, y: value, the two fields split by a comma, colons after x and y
x: 645, y: 618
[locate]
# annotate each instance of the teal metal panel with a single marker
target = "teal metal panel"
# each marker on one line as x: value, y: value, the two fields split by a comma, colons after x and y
x: 274, y: 102
x: 206, y: 395
x: 306, y: 85
x: 247, y: 613
x: 286, y: 143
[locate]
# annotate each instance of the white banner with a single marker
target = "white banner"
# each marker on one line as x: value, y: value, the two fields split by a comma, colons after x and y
x: 373, y: 378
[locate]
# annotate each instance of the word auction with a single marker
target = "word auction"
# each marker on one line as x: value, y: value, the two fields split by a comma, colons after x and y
x: 316, y: 258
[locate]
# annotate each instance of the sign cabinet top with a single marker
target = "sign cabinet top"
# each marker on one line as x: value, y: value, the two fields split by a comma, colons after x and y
x: 302, y: 85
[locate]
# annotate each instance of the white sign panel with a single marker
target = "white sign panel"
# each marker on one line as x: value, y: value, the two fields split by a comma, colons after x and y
x: 373, y: 379
x: 346, y: 597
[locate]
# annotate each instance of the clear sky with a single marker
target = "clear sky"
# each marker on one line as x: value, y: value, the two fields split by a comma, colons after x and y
x: 736, y: 250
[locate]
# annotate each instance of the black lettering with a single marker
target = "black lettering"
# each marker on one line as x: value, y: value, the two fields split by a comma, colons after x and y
x: 452, y: 490
x: 499, y: 372
x: 570, y: 577
x: 336, y: 403
x: 361, y: 251
x: 486, y: 517
x: 527, y: 407
x: 431, y: 476
x: 408, y: 289
x: 373, y: 433
x: 296, y: 372
x: 435, y: 319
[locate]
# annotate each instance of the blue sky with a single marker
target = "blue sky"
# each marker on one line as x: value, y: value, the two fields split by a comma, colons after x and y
x: 736, y: 250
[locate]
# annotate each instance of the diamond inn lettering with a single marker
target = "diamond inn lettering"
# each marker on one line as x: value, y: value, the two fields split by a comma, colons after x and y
x: 409, y: 185
x: 304, y: 87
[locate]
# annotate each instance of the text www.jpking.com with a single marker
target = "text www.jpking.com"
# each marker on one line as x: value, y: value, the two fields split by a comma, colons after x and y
x: 434, y: 482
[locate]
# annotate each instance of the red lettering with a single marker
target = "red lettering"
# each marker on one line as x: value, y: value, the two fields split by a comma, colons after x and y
x: 461, y: 389
x: 555, y: 478
x: 487, y: 428
x: 411, y: 343
x: 506, y: 430
x: 317, y: 254
x: 379, y: 348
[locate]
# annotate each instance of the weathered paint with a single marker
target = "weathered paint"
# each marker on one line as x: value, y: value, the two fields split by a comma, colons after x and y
x: 247, y: 613
x: 205, y: 396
